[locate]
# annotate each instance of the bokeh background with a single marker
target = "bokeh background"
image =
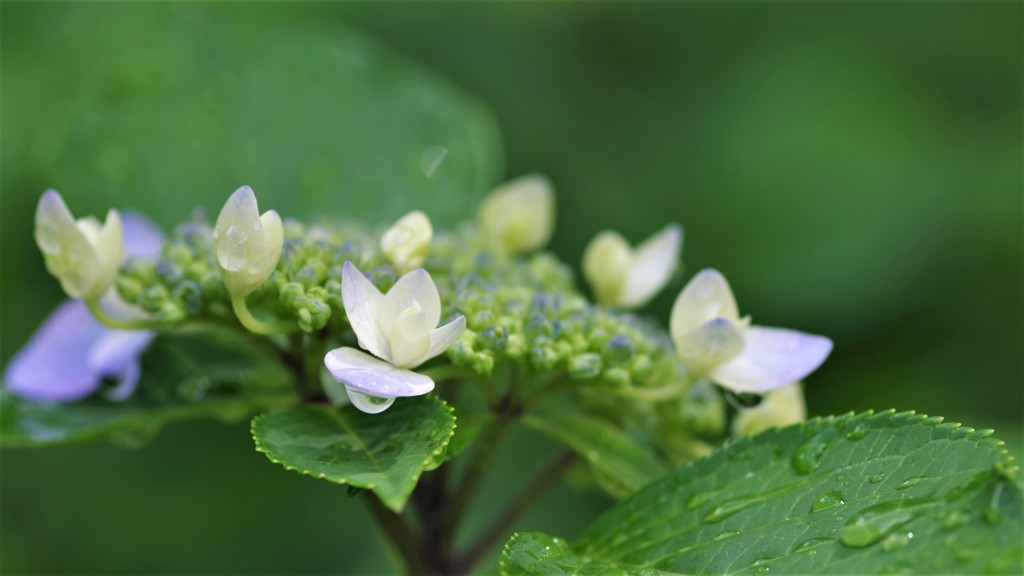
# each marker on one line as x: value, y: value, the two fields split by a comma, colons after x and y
x: 854, y: 169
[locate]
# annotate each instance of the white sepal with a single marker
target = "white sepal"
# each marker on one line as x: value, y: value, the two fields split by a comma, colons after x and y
x: 406, y: 243
x: 772, y: 358
x: 246, y: 245
x: 519, y: 215
x: 83, y: 255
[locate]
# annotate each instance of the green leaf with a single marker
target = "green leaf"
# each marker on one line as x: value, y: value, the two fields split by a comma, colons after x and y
x: 873, y: 493
x: 620, y: 464
x: 211, y: 373
x: 319, y: 119
x: 383, y: 452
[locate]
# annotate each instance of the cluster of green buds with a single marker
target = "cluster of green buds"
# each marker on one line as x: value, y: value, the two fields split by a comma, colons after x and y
x: 386, y: 307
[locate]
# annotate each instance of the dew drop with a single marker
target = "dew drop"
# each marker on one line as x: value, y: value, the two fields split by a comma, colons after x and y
x: 896, y: 541
x: 992, y: 514
x: 909, y: 482
x: 875, y: 522
x: 699, y: 498
x: 954, y: 519
x: 730, y: 507
x: 876, y: 478
x: 808, y: 456
x: 827, y: 500
x: 810, y: 545
x: 726, y: 534
x: 859, y: 431
x: 231, y: 250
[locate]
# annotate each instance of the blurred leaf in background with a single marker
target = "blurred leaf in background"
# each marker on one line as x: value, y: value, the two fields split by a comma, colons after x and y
x: 855, y: 169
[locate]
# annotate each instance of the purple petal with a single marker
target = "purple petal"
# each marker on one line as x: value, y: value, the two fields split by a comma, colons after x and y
x: 364, y: 373
x: 142, y: 238
x: 115, y: 350
x: 54, y: 366
x: 70, y: 354
x: 772, y: 358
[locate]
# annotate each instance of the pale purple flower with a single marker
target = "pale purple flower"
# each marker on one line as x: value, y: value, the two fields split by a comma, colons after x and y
x: 399, y: 329
x: 714, y: 342
x: 71, y: 353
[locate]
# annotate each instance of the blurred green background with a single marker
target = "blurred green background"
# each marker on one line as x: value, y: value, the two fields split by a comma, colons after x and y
x: 854, y: 169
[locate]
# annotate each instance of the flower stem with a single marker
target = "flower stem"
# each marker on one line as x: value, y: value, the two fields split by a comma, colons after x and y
x: 397, y: 532
x: 120, y: 324
x: 483, y: 454
x: 255, y: 324
x: 498, y: 530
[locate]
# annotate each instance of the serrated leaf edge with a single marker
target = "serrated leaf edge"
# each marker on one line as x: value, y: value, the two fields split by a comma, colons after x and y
x: 397, y: 508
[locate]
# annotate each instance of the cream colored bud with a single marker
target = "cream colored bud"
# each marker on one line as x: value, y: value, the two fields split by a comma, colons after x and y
x: 246, y: 245
x: 82, y: 254
x: 625, y: 278
x: 519, y: 215
x: 406, y: 243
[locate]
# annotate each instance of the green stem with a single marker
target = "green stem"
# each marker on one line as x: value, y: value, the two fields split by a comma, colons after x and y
x: 397, y: 532
x: 483, y: 454
x: 256, y: 325
x: 499, y: 529
x: 106, y: 319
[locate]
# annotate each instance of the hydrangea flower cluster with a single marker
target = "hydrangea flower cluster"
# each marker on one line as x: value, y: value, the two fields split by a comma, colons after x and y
x: 387, y: 307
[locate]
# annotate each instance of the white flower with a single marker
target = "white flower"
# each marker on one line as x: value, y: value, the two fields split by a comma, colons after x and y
x: 715, y: 343
x: 778, y: 408
x: 82, y: 254
x: 405, y: 244
x: 246, y: 245
x: 519, y: 215
x: 627, y: 278
x: 399, y: 329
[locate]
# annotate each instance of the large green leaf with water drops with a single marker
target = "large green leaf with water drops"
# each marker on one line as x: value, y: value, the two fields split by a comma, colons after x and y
x: 872, y: 493
x: 621, y: 465
x: 204, y: 373
x: 383, y: 452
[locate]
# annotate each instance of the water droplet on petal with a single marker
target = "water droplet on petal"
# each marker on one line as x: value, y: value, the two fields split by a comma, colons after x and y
x: 231, y: 250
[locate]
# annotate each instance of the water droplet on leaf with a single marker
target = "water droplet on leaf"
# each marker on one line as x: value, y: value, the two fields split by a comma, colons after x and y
x: 828, y: 500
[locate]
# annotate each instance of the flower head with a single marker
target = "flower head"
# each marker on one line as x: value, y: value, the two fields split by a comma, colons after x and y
x: 399, y: 329
x: 519, y: 215
x: 71, y: 353
x: 405, y: 244
x: 82, y: 254
x: 246, y: 245
x: 626, y: 278
x: 715, y: 342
